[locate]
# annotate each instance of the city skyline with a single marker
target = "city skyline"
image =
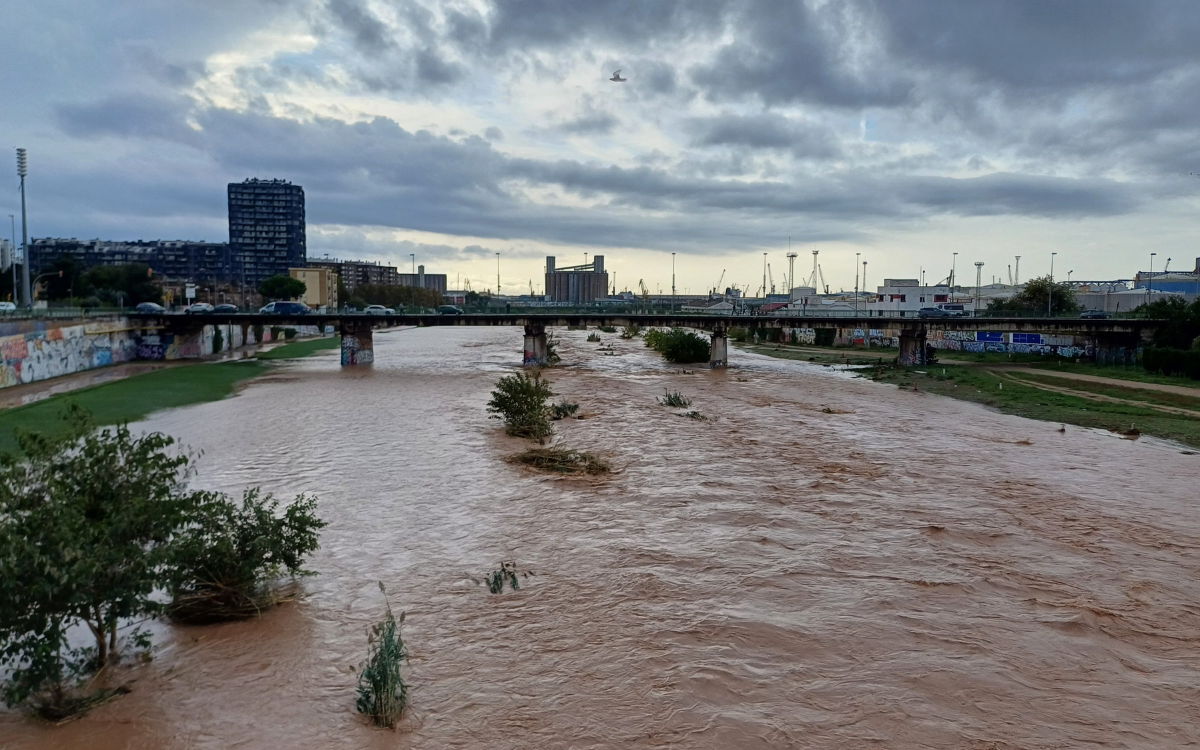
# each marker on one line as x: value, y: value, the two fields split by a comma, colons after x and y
x: 902, y: 132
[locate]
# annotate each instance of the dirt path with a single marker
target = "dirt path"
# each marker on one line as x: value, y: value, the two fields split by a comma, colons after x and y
x: 1006, y: 373
x: 1179, y: 390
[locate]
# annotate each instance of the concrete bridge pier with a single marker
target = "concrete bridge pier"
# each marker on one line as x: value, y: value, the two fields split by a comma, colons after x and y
x: 358, y: 343
x: 536, y: 350
x: 719, y: 353
x: 912, y: 347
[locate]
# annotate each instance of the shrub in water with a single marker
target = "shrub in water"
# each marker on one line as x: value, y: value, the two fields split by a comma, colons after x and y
x: 506, y: 573
x: 675, y: 399
x: 593, y: 337
x: 230, y: 558
x: 608, y: 329
x: 632, y: 331
x: 382, y: 693
x: 520, y: 400
x: 561, y: 461
x: 678, y: 345
x: 563, y: 409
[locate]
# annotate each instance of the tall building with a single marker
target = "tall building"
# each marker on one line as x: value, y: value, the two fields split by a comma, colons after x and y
x: 422, y: 280
x: 576, y: 284
x: 266, y: 229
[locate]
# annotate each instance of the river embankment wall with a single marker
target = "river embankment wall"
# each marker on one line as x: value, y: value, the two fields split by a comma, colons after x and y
x: 33, y: 350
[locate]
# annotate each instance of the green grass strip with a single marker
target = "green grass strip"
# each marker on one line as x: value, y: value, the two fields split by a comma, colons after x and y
x: 301, y: 348
x: 130, y: 399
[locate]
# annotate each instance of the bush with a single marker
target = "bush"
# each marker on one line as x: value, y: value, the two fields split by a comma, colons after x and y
x: 87, y: 529
x: 631, y: 331
x: 520, y: 400
x: 675, y: 399
x: 561, y: 461
x: 229, y: 559
x: 739, y: 334
x: 1170, y: 361
x: 608, y: 329
x: 679, y: 346
x: 593, y: 337
x: 506, y: 573
x: 382, y: 692
x: 562, y: 410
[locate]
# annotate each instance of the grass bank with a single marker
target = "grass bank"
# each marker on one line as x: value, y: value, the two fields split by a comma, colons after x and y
x: 136, y: 397
x: 978, y: 378
x: 1022, y: 397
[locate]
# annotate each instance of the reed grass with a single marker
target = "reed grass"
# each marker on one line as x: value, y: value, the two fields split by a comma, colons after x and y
x: 382, y: 692
x: 593, y: 337
x: 675, y: 399
x: 563, y: 409
x: 506, y: 573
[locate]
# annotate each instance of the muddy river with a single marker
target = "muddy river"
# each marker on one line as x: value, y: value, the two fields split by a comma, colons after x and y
x: 824, y: 563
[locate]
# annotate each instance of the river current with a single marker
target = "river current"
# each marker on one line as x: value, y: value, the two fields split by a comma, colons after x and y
x: 825, y: 562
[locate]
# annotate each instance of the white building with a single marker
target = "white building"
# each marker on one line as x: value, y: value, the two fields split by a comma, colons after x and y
x: 904, y: 298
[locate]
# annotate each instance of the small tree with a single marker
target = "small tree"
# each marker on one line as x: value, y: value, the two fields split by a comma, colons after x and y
x: 520, y: 400
x: 227, y: 561
x: 1037, y: 294
x: 86, y: 523
x: 282, y: 287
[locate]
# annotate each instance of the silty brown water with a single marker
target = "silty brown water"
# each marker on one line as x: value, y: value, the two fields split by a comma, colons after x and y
x: 826, y: 562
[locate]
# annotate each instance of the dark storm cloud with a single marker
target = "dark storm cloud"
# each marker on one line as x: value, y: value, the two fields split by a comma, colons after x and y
x: 805, y: 140
x: 129, y: 116
x: 369, y: 33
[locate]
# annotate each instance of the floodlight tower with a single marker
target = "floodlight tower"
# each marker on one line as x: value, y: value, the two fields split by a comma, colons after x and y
x: 978, y: 282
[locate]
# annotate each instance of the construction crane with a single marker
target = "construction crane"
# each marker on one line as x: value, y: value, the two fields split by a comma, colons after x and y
x: 717, y: 288
x: 645, y: 293
x: 771, y: 278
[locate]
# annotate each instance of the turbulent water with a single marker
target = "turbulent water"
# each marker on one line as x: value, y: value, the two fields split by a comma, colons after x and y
x: 825, y: 562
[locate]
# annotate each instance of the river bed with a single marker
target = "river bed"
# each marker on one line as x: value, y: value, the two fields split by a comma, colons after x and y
x: 826, y: 562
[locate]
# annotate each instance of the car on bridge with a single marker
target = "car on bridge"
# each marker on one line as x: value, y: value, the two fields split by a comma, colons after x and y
x: 7, y: 307
x: 225, y: 308
x: 283, y: 307
x: 449, y: 310
x: 198, y: 308
x: 150, y: 307
x: 1093, y: 315
x: 934, y: 312
x: 379, y: 310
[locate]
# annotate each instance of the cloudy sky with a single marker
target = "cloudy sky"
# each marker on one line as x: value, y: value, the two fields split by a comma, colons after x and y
x: 901, y: 130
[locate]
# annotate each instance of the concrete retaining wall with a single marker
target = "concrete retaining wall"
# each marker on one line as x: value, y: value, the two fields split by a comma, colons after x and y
x: 33, y: 350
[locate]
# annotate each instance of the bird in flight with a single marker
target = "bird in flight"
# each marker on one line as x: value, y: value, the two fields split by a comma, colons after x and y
x: 617, y: 77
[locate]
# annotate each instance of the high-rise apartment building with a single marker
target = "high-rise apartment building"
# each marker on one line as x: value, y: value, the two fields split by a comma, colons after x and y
x: 266, y: 229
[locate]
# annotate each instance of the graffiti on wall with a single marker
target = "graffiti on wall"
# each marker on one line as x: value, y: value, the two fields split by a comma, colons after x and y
x: 1018, y: 343
x: 51, y: 352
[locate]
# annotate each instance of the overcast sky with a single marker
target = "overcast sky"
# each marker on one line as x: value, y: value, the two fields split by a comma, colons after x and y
x: 904, y: 130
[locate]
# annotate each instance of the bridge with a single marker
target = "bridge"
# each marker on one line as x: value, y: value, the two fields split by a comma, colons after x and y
x: 358, y: 339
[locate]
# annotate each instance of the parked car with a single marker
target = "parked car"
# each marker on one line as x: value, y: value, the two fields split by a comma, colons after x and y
x: 225, y: 308
x: 7, y: 307
x: 933, y: 312
x: 283, y: 307
x: 199, y: 308
x: 449, y: 310
x: 150, y: 308
x: 379, y: 310
x: 1093, y: 315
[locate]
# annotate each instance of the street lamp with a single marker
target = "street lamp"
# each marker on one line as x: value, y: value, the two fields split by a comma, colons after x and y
x: 22, y: 171
x: 672, y: 281
x: 1150, y: 279
x: 1069, y: 275
x: 497, y: 274
x: 856, y: 256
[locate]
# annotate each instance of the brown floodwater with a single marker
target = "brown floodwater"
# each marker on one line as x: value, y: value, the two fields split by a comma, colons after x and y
x: 826, y: 562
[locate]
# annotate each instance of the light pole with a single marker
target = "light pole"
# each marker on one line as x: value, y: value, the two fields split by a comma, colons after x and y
x: 22, y: 171
x: 864, y: 277
x: 16, y: 294
x: 672, y: 281
x: 856, y: 256
x: 978, y: 282
x: 1150, y: 280
x: 1050, y: 289
x: 497, y: 274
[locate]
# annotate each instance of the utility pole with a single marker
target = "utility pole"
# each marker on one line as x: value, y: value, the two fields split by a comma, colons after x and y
x: 1050, y: 291
x: 16, y: 295
x: 856, y: 283
x: 22, y: 170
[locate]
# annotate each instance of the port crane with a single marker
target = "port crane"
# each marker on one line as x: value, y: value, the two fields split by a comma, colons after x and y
x: 771, y: 278
x: 717, y: 288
